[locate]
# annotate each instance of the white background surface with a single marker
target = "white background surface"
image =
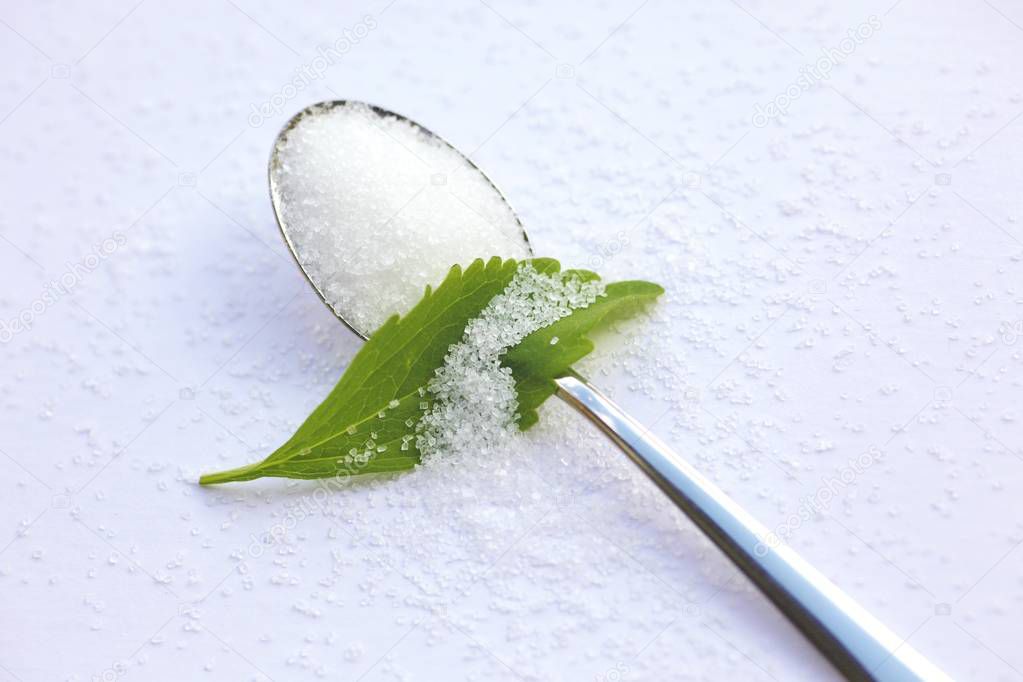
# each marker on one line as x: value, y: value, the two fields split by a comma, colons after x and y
x: 847, y: 277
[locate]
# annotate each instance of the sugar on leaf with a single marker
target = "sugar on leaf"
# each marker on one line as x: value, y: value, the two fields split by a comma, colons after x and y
x: 468, y: 365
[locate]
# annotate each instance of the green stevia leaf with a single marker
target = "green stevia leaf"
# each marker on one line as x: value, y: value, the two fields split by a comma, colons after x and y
x: 535, y: 362
x: 374, y: 407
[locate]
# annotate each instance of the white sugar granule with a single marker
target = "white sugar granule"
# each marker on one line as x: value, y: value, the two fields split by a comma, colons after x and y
x: 376, y: 209
x: 475, y: 401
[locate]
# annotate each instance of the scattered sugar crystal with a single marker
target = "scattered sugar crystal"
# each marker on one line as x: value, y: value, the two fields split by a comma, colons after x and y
x: 376, y: 209
x: 475, y: 401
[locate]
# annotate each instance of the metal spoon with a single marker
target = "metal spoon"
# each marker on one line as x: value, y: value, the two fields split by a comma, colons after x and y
x: 856, y: 643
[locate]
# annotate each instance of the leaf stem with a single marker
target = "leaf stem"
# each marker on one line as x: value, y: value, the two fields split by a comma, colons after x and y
x: 243, y: 473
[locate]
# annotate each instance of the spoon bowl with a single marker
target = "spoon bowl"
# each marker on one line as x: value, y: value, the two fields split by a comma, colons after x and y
x: 275, y: 167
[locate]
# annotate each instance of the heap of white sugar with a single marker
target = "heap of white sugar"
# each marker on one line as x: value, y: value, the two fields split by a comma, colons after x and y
x: 475, y: 402
x: 376, y: 209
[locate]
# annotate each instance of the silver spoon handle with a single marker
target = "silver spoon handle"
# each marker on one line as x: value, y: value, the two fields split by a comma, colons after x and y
x: 854, y: 641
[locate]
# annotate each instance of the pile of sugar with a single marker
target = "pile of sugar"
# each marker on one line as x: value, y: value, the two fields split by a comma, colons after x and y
x: 475, y: 401
x: 376, y: 209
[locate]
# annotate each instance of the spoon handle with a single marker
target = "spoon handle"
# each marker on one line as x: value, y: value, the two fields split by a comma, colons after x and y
x: 854, y: 641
